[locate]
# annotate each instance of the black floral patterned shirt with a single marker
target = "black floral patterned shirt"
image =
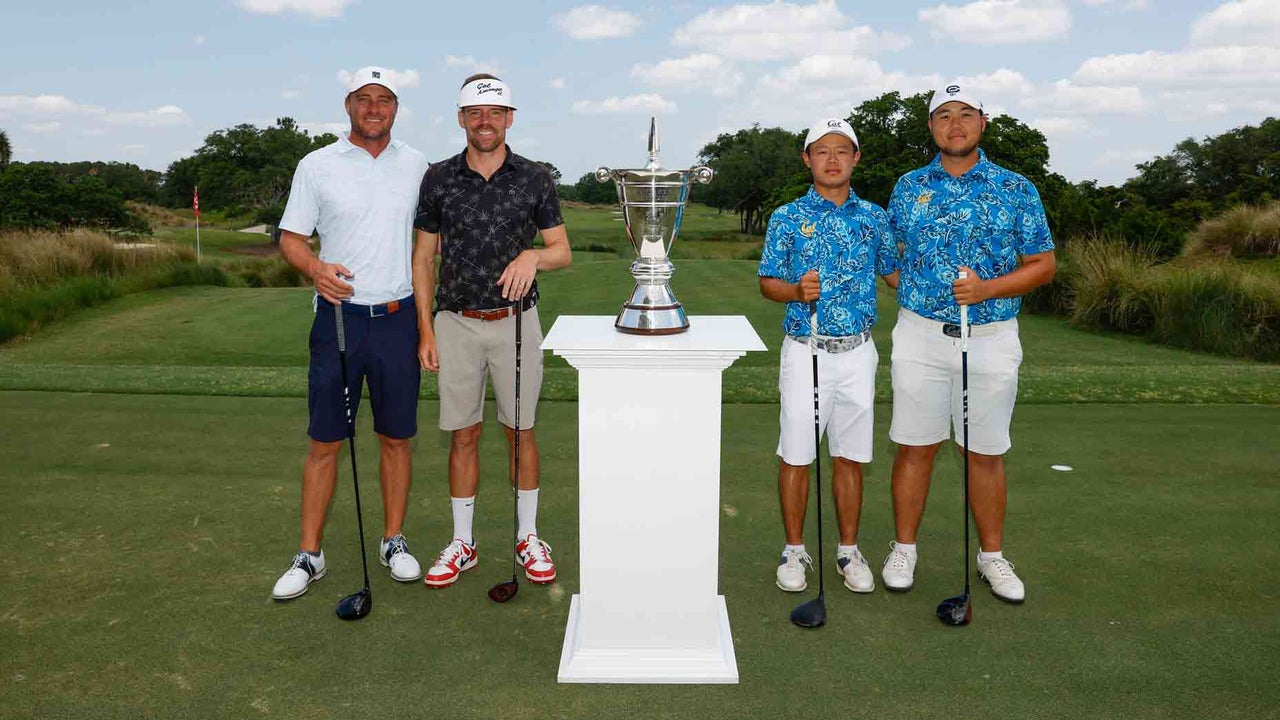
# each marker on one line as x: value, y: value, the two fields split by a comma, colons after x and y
x: 483, y: 225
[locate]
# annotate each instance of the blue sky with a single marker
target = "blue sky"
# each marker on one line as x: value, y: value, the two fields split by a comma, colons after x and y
x: 1110, y: 82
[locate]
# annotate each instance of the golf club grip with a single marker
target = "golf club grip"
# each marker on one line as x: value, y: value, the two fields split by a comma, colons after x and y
x: 342, y: 331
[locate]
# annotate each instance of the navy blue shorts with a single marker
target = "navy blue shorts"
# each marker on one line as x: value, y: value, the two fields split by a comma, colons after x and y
x: 382, y: 350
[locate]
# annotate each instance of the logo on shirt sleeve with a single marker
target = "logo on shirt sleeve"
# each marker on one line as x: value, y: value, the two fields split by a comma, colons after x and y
x: 808, y: 229
x: 924, y: 198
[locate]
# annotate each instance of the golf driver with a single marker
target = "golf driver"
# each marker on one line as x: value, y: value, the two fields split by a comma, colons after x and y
x: 507, y: 589
x: 958, y: 610
x: 813, y: 614
x: 357, y: 604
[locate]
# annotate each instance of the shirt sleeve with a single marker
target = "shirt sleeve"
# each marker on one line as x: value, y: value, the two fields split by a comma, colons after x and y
x: 897, y: 213
x: 1033, y: 227
x: 778, y: 240
x: 428, y: 217
x: 886, y: 247
x: 547, y: 214
x: 302, y: 210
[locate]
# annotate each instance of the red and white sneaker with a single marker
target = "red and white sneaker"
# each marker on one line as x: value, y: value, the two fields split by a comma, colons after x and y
x: 535, y: 555
x: 456, y: 558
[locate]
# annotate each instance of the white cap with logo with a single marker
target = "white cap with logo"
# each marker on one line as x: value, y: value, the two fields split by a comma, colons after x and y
x: 954, y: 92
x: 826, y: 127
x: 372, y: 75
x: 485, y: 91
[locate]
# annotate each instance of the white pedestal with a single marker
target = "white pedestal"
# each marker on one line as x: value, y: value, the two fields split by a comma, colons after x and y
x: 649, y: 484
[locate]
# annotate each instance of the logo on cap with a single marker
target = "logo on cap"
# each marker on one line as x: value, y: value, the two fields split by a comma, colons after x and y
x: 377, y: 74
x: 483, y: 88
x: 834, y: 123
x: 952, y: 89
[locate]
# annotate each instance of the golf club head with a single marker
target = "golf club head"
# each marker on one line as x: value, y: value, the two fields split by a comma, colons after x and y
x: 956, y: 610
x: 356, y: 605
x: 812, y: 614
x: 504, y: 591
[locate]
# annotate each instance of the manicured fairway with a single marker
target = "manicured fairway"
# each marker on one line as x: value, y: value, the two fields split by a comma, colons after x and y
x: 142, y: 534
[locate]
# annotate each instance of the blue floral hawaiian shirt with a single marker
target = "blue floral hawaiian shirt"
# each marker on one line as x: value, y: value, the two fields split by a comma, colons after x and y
x: 848, y: 245
x: 985, y: 219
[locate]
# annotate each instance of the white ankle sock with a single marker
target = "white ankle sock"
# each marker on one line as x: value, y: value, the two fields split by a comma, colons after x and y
x: 464, y: 510
x: 789, y: 548
x: 908, y: 548
x: 988, y: 557
x: 846, y: 550
x: 527, y: 512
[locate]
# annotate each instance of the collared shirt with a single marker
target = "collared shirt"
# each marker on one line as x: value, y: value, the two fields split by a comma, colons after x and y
x: 484, y: 224
x: 363, y: 208
x: 985, y: 219
x: 848, y: 245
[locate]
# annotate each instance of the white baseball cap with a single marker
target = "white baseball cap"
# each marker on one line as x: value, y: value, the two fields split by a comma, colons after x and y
x: 954, y: 92
x: 372, y: 75
x: 485, y: 91
x: 828, y: 126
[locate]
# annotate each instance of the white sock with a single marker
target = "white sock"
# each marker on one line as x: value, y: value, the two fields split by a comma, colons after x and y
x: 988, y: 557
x: 908, y: 548
x: 527, y: 512
x: 464, y: 510
x: 789, y: 548
x: 846, y: 550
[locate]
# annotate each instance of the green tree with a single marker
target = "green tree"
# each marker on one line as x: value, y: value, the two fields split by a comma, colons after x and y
x: 37, y: 196
x: 555, y: 171
x: 751, y: 165
x: 6, y: 150
x: 590, y: 190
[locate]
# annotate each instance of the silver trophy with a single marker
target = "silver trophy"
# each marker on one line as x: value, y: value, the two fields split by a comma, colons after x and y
x: 653, y: 202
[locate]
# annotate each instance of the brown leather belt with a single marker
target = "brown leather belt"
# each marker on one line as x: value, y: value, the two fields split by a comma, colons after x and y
x: 491, y: 315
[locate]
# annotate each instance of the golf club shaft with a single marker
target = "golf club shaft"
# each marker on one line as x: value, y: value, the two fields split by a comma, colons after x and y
x: 351, y: 432
x: 964, y: 416
x: 817, y: 438
x: 515, y: 481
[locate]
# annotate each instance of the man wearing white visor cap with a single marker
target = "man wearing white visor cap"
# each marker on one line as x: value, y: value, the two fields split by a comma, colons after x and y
x: 482, y: 208
x: 975, y: 239
x: 822, y: 253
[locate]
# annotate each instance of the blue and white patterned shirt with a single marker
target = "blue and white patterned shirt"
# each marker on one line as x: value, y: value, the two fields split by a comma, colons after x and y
x: 985, y: 219
x: 848, y: 245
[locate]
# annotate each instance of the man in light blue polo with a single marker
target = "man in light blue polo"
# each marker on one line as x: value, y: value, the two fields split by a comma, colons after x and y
x: 825, y: 250
x: 972, y: 233
x: 360, y: 195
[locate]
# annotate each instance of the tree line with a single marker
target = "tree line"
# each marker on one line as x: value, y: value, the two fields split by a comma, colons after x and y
x: 246, y: 171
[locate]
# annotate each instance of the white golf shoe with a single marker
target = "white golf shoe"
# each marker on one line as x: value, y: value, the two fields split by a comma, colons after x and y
x: 394, y: 554
x: 1004, y: 583
x: 304, y: 570
x: 791, y: 570
x: 857, y: 575
x: 899, y: 571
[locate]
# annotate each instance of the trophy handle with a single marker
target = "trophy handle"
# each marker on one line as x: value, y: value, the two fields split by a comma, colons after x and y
x: 701, y: 174
x: 604, y: 174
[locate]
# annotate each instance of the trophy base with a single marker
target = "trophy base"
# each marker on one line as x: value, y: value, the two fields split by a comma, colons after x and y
x: 651, y: 320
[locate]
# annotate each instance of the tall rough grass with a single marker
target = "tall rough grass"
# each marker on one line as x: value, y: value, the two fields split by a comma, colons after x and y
x: 45, y: 276
x: 1243, y: 231
x: 1211, y: 306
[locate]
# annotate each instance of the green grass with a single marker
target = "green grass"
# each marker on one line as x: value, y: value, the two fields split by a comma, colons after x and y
x: 143, y: 534
x: 239, y: 341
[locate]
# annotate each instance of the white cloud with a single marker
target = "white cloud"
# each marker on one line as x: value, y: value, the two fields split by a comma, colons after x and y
x: 1255, y: 66
x: 402, y: 78
x: 471, y: 64
x: 695, y: 72
x: 998, y: 22
x: 782, y: 30
x: 1242, y: 22
x: 198, y: 40
x: 43, y: 127
x: 47, y: 108
x: 320, y: 128
x: 1067, y: 98
x: 1061, y: 127
x: 594, y: 22
x: 646, y: 103
x: 290, y: 94
x: 557, y: 84
x: 313, y: 8
x: 831, y: 85
x: 1124, y: 4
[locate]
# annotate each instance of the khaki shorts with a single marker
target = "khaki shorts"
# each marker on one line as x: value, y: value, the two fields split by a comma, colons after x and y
x: 927, y: 405
x: 472, y: 349
x: 846, y: 402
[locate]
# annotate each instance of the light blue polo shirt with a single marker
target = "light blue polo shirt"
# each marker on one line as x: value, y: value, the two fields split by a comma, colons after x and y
x: 985, y: 219
x: 363, y: 208
x: 848, y: 245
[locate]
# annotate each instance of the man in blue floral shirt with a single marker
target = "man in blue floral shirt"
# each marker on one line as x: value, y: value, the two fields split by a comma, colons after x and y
x: 824, y: 251
x: 972, y: 234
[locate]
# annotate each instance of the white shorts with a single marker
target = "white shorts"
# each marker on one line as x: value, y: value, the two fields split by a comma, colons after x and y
x: 846, y: 402
x: 927, y: 403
